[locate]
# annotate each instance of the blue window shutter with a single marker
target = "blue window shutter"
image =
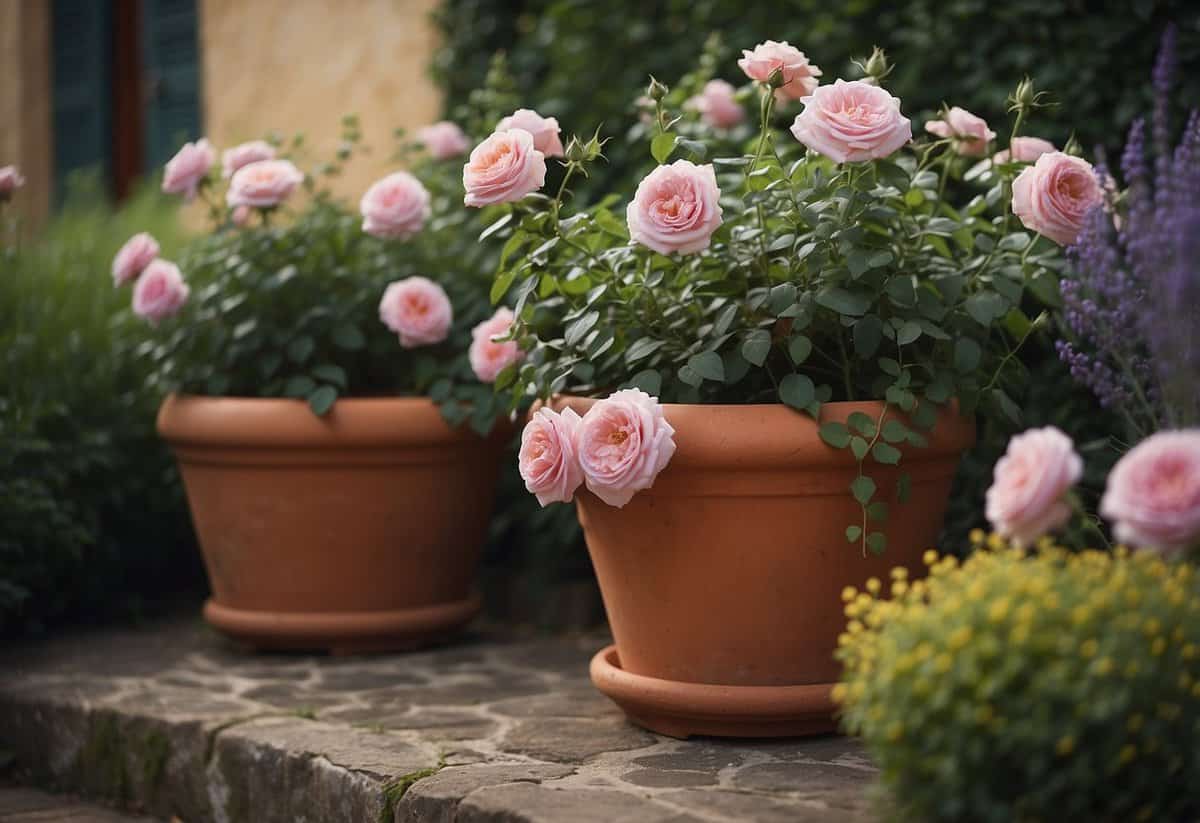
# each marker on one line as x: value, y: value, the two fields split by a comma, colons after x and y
x: 82, y: 61
x: 171, y: 64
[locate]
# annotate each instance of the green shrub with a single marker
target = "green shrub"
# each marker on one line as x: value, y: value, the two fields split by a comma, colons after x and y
x: 584, y: 62
x: 94, y: 521
x: 1012, y: 687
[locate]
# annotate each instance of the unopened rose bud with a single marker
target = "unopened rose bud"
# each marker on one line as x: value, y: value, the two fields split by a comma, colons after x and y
x: 1025, y: 95
x: 576, y: 152
x: 775, y: 78
x: 656, y: 91
x: 877, y: 65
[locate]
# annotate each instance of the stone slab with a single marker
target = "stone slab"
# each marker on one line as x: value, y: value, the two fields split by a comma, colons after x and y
x: 173, y: 721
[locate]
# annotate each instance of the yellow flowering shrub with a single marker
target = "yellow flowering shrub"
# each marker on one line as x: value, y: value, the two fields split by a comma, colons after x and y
x: 1030, y: 686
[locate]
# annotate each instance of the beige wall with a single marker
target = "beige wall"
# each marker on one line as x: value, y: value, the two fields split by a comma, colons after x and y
x: 26, y: 132
x: 299, y: 65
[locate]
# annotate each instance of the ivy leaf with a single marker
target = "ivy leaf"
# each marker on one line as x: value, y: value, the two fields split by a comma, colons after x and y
x: 648, y: 380
x: 299, y: 386
x: 868, y: 333
x: 757, y: 346
x: 894, y: 431
x: 908, y: 332
x: 797, y: 390
x: 799, y: 349
x: 862, y: 423
x: 863, y: 489
x: 843, y: 302
x: 967, y: 354
x: 985, y: 307
x: 886, y: 454
x: 330, y: 373
x: 688, y: 376
x: 642, y: 348
x: 322, y: 399
x: 348, y: 337
x: 859, y: 447
x: 853, y: 533
x: 662, y: 146
x: 708, y: 365
x: 300, y: 349
x: 877, y: 542
x: 835, y: 434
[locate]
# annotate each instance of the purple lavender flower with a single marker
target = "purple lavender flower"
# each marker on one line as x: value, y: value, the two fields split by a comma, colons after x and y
x: 1131, y: 306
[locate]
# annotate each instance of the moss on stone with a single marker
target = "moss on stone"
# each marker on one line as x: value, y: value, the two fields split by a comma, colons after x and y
x: 395, y: 789
x: 154, y: 750
x: 101, y: 761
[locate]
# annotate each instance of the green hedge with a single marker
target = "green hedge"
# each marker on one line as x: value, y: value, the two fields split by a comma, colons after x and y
x: 584, y: 61
x: 94, y: 519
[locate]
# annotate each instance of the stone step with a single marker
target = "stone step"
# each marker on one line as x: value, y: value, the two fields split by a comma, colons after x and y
x: 21, y: 804
x: 173, y: 721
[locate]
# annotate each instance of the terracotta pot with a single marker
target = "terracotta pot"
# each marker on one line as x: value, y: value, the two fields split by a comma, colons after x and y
x: 723, y: 582
x: 353, y: 532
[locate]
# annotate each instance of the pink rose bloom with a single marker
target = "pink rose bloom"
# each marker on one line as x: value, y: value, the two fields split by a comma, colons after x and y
x: 1153, y: 493
x: 444, y: 140
x: 185, y: 171
x: 1024, y: 150
x: 263, y: 184
x: 396, y: 206
x: 133, y: 258
x: 245, y: 154
x: 675, y: 208
x: 547, y: 460
x: 1029, y: 484
x: 1054, y: 195
x: 850, y: 122
x: 488, y: 358
x: 10, y: 180
x: 623, y: 443
x: 717, y: 105
x: 970, y: 134
x: 503, y: 169
x: 799, y: 76
x: 159, y: 292
x: 241, y: 216
x: 418, y: 310
x: 545, y: 130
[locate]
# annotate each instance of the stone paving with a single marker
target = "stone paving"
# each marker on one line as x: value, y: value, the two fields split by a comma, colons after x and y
x: 20, y: 804
x: 173, y: 721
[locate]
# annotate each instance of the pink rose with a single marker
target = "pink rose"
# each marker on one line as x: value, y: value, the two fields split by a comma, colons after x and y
x: 503, y: 169
x: 1153, y: 493
x: 623, y: 443
x: 245, y: 154
x: 187, y: 169
x: 969, y: 134
x: 10, y: 181
x: 444, y: 140
x: 488, y: 358
x: 396, y: 206
x: 159, y: 292
x: 263, y: 184
x: 1054, y: 195
x: 544, y: 130
x: 850, y: 122
x: 1029, y: 484
x: 675, y: 208
x: 418, y: 310
x: 133, y: 258
x: 1024, y: 150
x: 717, y: 106
x: 241, y: 216
x: 799, y: 76
x: 547, y: 460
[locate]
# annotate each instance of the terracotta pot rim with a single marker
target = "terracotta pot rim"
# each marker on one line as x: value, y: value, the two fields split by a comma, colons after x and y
x: 198, y: 420
x: 773, y: 435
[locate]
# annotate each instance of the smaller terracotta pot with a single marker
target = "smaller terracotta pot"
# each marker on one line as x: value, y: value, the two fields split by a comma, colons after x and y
x: 723, y: 582
x: 358, y: 531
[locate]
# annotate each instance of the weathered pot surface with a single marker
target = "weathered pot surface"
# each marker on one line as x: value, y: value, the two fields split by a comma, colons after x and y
x: 357, y: 531
x: 725, y: 578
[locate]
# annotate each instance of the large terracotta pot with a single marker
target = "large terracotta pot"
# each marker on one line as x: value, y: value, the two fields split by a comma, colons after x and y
x: 353, y: 532
x: 723, y: 582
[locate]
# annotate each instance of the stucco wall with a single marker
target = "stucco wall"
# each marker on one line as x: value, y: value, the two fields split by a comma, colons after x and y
x: 299, y: 65
x: 25, y: 119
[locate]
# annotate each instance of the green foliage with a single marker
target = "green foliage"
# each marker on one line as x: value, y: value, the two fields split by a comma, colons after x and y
x: 571, y: 57
x: 890, y: 280
x: 94, y: 520
x: 289, y: 306
x: 1049, y: 687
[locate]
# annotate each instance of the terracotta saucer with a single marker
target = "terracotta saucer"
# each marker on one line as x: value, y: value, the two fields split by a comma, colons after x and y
x: 685, y: 709
x: 343, y: 632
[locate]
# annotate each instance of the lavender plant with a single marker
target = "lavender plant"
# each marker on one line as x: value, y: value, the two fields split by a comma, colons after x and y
x: 1130, y: 302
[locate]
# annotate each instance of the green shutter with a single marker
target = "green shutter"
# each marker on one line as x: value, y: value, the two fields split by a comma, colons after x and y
x: 171, y: 66
x: 82, y: 48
